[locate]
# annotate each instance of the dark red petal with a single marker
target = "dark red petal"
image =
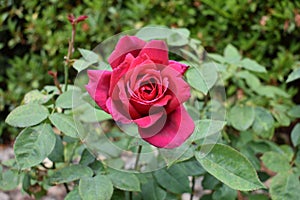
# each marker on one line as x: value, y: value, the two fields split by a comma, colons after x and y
x: 121, y: 107
x: 149, y: 120
x: 127, y: 44
x: 157, y: 51
x: 98, y: 86
x: 117, y: 111
x: 176, y: 130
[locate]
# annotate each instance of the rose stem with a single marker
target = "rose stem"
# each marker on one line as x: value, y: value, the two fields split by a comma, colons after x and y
x: 138, y: 157
x: 136, y: 165
x: 193, y: 187
x: 69, y: 55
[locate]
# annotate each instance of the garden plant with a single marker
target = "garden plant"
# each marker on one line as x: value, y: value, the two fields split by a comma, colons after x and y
x: 157, y: 108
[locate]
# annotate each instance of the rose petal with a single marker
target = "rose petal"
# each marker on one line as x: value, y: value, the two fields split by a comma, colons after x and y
x: 143, y: 107
x: 177, y: 88
x: 98, y: 86
x: 121, y: 109
x: 120, y: 71
x: 127, y: 44
x: 180, y: 67
x: 148, y: 121
x: 157, y: 51
x: 114, y: 108
x: 177, y: 129
x: 147, y: 67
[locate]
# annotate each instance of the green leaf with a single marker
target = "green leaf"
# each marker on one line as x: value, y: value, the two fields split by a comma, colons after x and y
x: 124, y: 180
x: 27, y: 115
x: 73, y: 195
x: 294, y: 111
x: 191, y: 167
x: 295, y: 135
x: 88, y: 55
x: 89, y: 114
x: 210, y: 182
x: 67, y: 99
x: 224, y: 192
x: 9, y: 180
x: 216, y: 57
x: 272, y: 91
x: 99, y: 187
x: 276, y: 162
x: 182, y: 31
x: 179, y: 154
x: 230, y: 167
x: 33, y: 145
x: 173, y: 179
x: 57, y: 154
x: 209, y: 72
x: 103, y: 66
x: 287, y: 151
x: 26, y: 183
x: 177, y: 39
x: 285, y: 185
x: 280, y: 116
x: 152, y: 191
x: 252, y: 65
x: 82, y: 64
x: 207, y: 127
x: 241, y: 117
x: 202, y: 79
x: 263, y: 124
x: 196, y: 80
x: 150, y: 33
x: 252, y: 81
x: 64, y: 123
x: 36, y: 96
x: 70, y: 173
x: 86, y: 158
x: 231, y: 54
x: 294, y: 75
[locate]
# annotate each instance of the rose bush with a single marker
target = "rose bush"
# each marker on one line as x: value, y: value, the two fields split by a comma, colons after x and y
x: 146, y: 88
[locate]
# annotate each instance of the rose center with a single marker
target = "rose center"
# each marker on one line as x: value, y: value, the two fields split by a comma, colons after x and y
x: 148, y: 91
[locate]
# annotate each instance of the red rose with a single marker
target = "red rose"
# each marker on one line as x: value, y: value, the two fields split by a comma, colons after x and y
x: 146, y: 88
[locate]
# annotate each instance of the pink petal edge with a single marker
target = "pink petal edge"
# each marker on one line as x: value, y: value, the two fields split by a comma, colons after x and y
x: 157, y: 51
x: 98, y: 87
x: 127, y: 44
x: 180, y: 67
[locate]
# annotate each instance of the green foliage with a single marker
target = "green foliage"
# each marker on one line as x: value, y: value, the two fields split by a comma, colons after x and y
x: 259, y: 67
x: 27, y: 115
x: 98, y: 187
x: 231, y: 167
x: 33, y: 145
x: 64, y: 123
x: 66, y: 174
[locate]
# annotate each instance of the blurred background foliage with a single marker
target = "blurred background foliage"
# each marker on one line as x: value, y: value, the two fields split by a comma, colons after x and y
x: 32, y: 36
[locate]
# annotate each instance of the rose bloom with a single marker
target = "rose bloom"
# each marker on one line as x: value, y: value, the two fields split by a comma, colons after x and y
x: 145, y: 88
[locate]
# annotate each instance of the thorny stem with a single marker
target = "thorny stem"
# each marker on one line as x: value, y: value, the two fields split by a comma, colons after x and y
x: 56, y: 82
x: 69, y: 56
